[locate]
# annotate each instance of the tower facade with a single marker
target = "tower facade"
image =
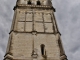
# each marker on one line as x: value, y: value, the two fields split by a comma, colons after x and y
x: 34, y: 33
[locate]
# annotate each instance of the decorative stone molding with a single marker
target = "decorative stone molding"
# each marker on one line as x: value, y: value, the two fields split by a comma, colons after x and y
x: 8, y: 56
x: 63, y: 57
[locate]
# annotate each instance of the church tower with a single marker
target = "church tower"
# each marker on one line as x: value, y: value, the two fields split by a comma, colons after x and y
x: 34, y: 33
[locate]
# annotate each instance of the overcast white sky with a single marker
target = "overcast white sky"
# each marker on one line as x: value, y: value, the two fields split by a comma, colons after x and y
x: 68, y: 19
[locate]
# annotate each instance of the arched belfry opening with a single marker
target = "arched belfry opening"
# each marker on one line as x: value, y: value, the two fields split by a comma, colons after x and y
x: 29, y: 2
x: 42, y: 49
x: 38, y: 2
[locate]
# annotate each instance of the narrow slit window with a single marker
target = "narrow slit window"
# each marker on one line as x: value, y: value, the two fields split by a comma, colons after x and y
x: 42, y: 49
x: 29, y: 2
x: 38, y: 2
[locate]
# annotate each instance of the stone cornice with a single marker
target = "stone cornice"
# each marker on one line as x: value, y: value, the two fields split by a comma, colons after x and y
x: 34, y: 6
x: 32, y: 32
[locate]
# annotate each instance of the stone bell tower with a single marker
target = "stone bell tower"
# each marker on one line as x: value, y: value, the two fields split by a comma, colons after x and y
x: 34, y: 33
